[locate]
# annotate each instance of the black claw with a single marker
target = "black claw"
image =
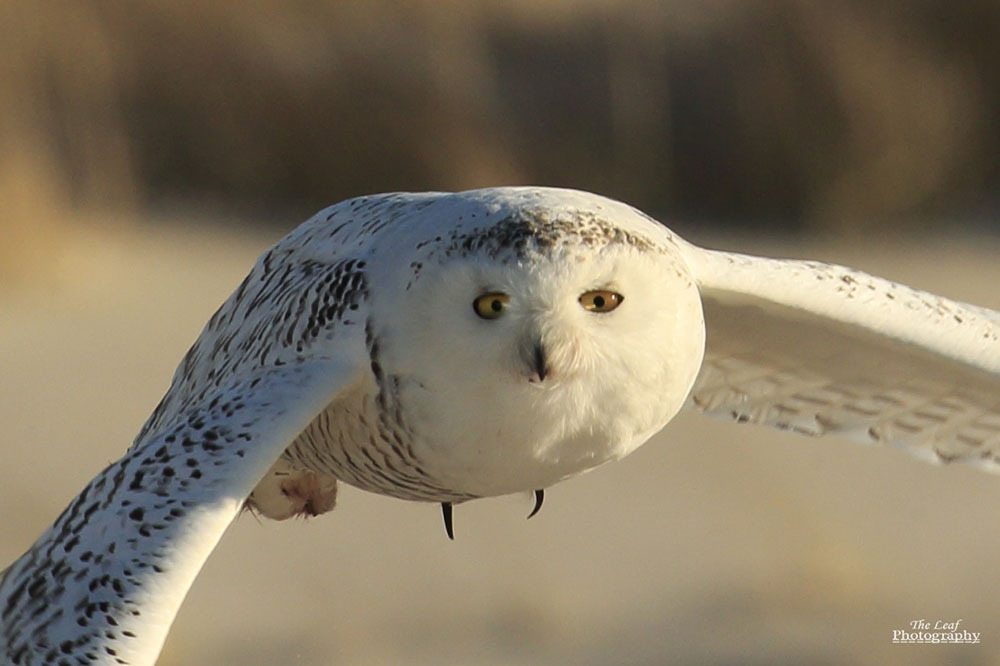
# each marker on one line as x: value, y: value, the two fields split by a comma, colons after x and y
x: 446, y: 511
x: 539, y: 498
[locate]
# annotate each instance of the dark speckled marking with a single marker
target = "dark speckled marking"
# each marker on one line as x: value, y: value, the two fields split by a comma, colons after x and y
x: 534, y: 231
x: 528, y: 232
x: 86, y: 580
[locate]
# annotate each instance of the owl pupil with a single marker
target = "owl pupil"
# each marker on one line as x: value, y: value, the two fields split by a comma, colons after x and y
x: 598, y: 301
x: 496, y: 305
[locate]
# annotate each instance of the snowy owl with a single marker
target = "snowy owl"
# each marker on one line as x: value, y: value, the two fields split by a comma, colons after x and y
x: 448, y: 347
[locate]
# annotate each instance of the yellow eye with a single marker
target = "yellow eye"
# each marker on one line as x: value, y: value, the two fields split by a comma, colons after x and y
x: 601, y: 300
x: 491, y: 305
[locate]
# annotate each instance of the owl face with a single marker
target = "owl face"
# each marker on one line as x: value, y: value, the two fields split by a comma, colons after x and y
x: 566, y: 357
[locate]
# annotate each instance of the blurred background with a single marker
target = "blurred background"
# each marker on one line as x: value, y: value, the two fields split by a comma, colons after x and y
x: 150, y: 150
x: 782, y: 113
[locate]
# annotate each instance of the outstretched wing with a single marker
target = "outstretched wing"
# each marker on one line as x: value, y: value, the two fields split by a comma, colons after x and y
x: 818, y: 348
x: 103, y: 584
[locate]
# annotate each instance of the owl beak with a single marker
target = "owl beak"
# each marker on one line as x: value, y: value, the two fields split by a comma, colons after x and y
x: 539, y: 361
x: 536, y: 355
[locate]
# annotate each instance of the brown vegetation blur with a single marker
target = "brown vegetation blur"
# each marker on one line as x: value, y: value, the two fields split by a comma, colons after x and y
x: 791, y: 112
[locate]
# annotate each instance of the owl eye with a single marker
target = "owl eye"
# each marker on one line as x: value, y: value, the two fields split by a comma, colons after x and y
x: 491, y: 305
x: 601, y: 300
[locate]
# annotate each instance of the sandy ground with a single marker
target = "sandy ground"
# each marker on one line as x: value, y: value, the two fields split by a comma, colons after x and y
x: 713, y: 544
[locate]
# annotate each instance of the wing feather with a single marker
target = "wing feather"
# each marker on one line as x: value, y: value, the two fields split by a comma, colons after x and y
x: 107, y: 578
x: 104, y: 582
x: 819, y: 348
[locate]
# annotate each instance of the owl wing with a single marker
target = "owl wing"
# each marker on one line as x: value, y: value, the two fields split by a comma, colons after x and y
x: 104, y: 582
x: 818, y: 348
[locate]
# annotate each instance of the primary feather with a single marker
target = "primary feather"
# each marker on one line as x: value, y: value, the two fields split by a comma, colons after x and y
x: 353, y: 351
x: 818, y: 348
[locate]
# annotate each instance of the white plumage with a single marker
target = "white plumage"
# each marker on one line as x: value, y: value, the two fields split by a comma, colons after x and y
x: 359, y: 349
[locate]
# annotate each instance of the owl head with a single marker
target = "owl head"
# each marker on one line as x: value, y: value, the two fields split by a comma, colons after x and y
x: 546, y: 332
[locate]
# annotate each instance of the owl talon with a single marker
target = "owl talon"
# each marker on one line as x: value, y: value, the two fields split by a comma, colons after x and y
x: 539, y: 498
x: 446, y: 511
